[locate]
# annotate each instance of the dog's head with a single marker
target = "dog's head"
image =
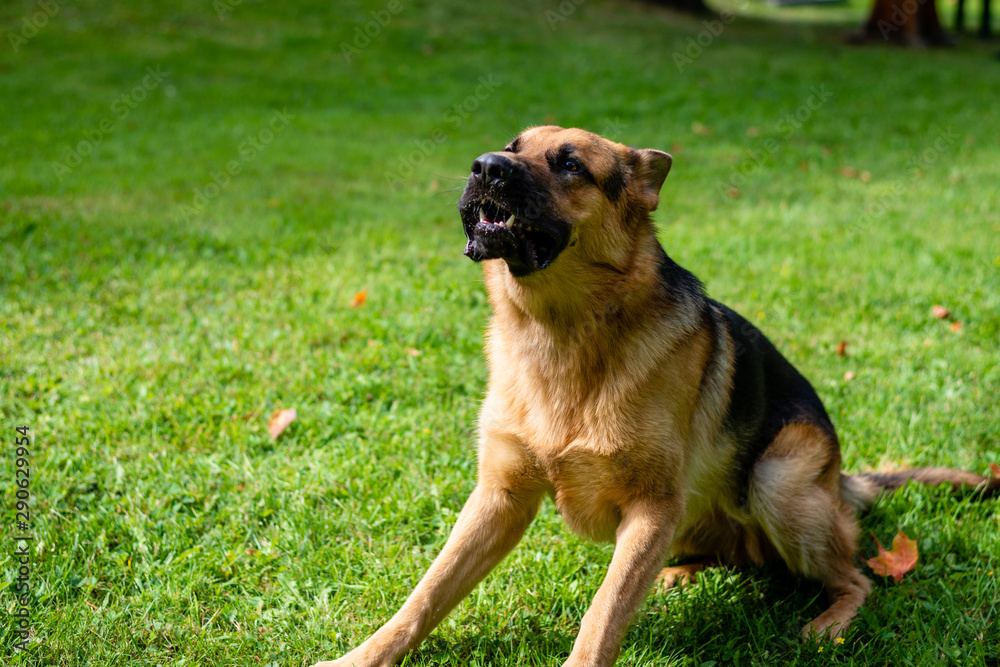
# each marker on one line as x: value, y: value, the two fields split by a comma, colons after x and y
x: 555, y: 191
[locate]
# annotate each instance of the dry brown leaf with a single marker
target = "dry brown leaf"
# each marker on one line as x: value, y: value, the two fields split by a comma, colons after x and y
x: 359, y: 299
x: 733, y: 192
x: 940, y: 311
x: 995, y: 469
x: 842, y: 348
x: 848, y: 376
x: 956, y: 326
x: 279, y: 421
x: 849, y: 172
x: 897, y: 561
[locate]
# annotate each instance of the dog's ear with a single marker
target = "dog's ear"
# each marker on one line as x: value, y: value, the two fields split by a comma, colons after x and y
x: 650, y: 172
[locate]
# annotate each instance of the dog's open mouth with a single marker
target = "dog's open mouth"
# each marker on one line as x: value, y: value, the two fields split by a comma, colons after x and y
x: 492, y: 213
x: 499, y: 232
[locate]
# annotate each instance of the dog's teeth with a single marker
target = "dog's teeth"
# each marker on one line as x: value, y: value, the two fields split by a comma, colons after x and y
x: 482, y: 215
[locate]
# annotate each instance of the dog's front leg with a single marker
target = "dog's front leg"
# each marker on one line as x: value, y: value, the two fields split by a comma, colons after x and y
x: 489, y: 526
x: 641, y: 543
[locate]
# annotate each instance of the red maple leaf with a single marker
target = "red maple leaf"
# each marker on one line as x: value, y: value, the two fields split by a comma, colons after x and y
x: 897, y: 561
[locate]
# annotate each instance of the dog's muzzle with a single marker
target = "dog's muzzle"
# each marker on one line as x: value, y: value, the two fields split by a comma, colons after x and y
x: 505, y: 217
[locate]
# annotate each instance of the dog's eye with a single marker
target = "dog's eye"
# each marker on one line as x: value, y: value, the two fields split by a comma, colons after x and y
x: 571, y: 165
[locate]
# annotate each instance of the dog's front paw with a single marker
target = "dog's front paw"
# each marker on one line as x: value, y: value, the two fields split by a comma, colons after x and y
x: 352, y: 660
x: 345, y: 661
x: 341, y: 662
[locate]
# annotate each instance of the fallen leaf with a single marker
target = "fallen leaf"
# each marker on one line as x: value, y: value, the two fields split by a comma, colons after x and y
x: 842, y: 348
x: 940, y: 312
x: 848, y: 376
x: 849, y: 172
x: 897, y: 561
x: 753, y: 131
x: 359, y: 299
x: 956, y: 326
x: 995, y: 469
x: 550, y: 119
x: 675, y: 148
x: 733, y: 192
x: 279, y: 421
x: 865, y: 176
x: 700, y: 129
x: 412, y: 352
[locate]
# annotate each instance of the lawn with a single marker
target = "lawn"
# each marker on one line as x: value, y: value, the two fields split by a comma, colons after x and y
x: 193, y: 193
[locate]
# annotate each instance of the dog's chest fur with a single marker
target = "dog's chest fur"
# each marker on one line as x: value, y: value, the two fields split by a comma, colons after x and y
x: 598, y: 434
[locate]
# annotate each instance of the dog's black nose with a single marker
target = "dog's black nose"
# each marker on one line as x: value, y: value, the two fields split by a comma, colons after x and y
x: 492, y: 167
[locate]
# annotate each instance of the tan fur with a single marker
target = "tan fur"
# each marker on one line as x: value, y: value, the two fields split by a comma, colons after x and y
x: 608, y: 394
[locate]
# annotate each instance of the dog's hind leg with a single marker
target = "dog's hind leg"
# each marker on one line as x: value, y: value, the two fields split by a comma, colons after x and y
x: 683, y: 575
x: 794, y: 497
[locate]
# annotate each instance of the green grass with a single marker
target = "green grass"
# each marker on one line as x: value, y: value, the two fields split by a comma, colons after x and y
x: 146, y: 344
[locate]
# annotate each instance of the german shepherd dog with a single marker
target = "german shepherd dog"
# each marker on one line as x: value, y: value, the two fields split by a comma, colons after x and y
x: 655, y: 417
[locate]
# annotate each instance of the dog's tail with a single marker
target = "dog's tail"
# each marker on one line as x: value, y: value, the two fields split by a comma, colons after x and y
x: 861, y: 490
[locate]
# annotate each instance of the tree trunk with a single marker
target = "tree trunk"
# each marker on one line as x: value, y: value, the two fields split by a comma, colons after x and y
x: 691, y: 6
x: 909, y: 22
